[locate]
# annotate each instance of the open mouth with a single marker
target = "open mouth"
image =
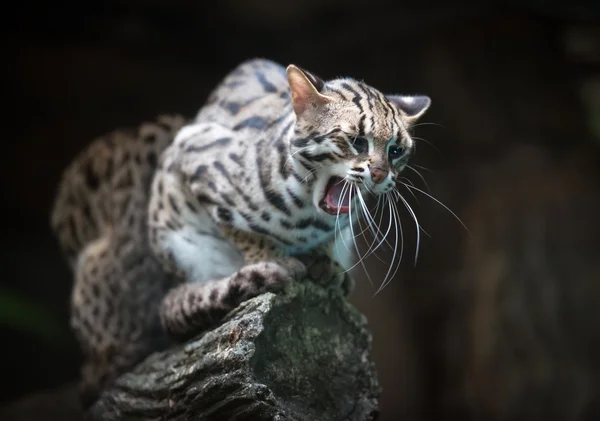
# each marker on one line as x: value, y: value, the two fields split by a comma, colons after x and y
x: 333, y: 202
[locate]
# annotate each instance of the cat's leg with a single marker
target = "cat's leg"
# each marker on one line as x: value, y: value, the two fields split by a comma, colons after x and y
x: 117, y: 286
x: 193, y: 306
x: 325, y: 269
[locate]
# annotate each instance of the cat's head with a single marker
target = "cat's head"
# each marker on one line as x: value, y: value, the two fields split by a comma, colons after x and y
x: 349, y: 136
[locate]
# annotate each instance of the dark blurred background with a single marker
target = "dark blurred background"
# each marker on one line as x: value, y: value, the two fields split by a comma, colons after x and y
x: 502, y: 322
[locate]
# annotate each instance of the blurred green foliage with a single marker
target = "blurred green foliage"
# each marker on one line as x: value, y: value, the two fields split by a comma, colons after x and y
x: 28, y: 317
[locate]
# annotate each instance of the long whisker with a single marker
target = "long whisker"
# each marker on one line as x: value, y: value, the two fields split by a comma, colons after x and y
x: 311, y: 172
x: 398, y: 195
x: 377, y: 225
x: 440, y: 203
x: 428, y: 124
x: 412, y: 213
x: 398, y: 230
x: 410, y: 191
x: 370, y: 222
x: 420, y: 175
x: 361, y: 258
x: 428, y: 142
x: 358, y: 253
x: 422, y: 167
x: 400, y: 260
x: 367, y: 214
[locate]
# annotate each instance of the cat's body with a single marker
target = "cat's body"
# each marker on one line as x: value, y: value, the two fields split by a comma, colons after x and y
x: 246, y: 198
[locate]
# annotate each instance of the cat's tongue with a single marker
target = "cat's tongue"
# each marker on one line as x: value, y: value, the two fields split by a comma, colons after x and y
x: 335, y: 202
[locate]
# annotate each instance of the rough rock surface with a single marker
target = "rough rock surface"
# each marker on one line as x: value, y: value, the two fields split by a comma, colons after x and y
x: 300, y: 355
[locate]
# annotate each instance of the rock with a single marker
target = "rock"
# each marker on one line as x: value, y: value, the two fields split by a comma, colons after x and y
x: 299, y: 355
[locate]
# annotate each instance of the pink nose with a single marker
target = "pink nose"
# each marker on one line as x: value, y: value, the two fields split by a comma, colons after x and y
x: 378, y: 174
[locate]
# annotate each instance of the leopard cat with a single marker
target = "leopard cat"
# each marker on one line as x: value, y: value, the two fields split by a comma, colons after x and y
x: 170, y: 227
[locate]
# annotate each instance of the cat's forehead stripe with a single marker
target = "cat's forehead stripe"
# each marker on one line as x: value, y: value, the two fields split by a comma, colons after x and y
x: 379, y: 118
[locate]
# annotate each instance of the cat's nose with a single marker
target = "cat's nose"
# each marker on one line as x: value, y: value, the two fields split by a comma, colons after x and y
x: 378, y: 174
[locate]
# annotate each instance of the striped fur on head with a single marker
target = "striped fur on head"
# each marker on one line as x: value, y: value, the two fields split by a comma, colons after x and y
x: 347, y: 129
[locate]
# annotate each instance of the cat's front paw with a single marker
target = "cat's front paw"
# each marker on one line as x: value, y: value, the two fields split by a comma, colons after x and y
x: 324, y: 271
x: 270, y: 276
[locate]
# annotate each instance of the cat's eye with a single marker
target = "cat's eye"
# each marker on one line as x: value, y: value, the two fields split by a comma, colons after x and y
x: 360, y: 144
x: 395, y: 152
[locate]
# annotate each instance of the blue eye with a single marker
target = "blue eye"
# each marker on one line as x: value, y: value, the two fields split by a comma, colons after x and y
x: 395, y: 152
x: 360, y: 144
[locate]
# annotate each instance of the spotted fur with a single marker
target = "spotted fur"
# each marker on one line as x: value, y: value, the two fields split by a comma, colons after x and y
x: 235, y: 206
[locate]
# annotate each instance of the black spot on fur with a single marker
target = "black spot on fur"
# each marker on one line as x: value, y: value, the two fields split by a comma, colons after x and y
x: 227, y: 199
x: 246, y: 216
x: 204, y: 199
x: 114, y: 289
x: 193, y: 299
x: 278, y: 201
x: 264, y: 231
x: 152, y: 159
x: 224, y: 214
x: 221, y: 168
x: 233, y: 296
x: 213, y: 295
x: 87, y: 213
x: 297, y: 201
x: 232, y: 107
x: 173, y: 204
x: 219, y: 142
x: 257, y: 279
x: 267, y: 86
x: 91, y: 179
x: 125, y: 181
x: 254, y: 122
x: 199, y: 172
x: 191, y: 206
x: 236, y: 158
x: 95, y: 291
x: 304, y: 223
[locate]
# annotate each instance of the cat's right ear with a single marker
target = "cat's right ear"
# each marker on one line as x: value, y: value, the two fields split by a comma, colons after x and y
x: 305, y: 89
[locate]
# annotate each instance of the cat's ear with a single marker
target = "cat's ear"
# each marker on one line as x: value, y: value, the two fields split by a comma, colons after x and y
x: 305, y: 88
x: 413, y: 107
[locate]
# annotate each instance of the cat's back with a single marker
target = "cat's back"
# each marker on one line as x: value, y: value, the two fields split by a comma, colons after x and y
x: 251, y: 96
x: 106, y: 186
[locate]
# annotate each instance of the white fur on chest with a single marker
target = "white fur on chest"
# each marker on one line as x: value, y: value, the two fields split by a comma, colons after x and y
x: 200, y: 251
x: 203, y: 257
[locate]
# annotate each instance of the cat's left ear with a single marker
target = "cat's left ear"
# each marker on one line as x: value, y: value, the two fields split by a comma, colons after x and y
x: 305, y: 88
x: 413, y: 107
